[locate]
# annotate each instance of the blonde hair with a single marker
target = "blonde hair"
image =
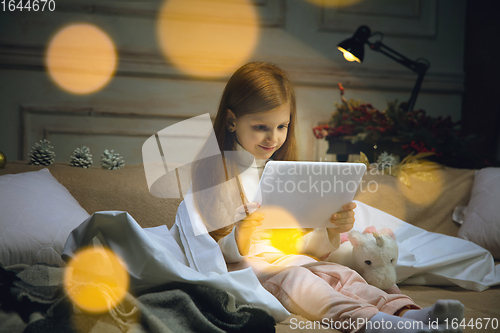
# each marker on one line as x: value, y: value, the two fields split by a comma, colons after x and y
x: 253, y: 88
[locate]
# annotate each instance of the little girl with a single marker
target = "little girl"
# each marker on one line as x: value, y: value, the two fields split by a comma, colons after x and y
x: 257, y: 115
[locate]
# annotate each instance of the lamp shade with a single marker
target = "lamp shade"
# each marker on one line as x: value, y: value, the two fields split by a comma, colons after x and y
x: 353, y: 48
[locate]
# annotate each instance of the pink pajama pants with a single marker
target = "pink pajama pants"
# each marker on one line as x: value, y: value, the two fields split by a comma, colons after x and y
x: 323, y: 290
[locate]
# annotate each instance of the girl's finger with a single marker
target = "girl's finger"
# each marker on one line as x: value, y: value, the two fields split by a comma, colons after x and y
x: 250, y: 220
x: 342, y: 222
x: 343, y: 229
x: 253, y: 205
x: 256, y: 223
x: 255, y: 216
x: 249, y: 208
x: 250, y: 224
x: 349, y: 206
x: 343, y: 215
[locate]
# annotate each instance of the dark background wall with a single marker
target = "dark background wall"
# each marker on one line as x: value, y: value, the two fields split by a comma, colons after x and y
x: 481, y: 107
x: 148, y: 92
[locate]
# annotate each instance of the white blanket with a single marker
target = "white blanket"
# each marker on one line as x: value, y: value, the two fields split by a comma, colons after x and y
x: 427, y: 258
x: 156, y: 256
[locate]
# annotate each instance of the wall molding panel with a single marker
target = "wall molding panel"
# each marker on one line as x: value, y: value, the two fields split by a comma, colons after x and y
x: 409, y: 18
x: 97, y: 128
x: 148, y: 92
x: 304, y: 72
x: 271, y: 12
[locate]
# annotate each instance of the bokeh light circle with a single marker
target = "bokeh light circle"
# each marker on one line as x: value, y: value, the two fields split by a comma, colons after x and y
x: 81, y: 58
x: 207, y: 38
x: 423, y: 192
x: 96, y: 280
x: 288, y: 240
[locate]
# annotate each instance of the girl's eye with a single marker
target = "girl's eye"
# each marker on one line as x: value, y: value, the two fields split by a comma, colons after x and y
x: 264, y: 127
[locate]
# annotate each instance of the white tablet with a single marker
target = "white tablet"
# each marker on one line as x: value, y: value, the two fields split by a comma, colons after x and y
x: 306, y: 194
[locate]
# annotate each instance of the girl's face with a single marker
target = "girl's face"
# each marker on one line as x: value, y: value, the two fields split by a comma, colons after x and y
x: 262, y: 133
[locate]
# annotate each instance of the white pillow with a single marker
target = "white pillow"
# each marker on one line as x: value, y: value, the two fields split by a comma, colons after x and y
x: 481, y: 223
x: 37, y: 214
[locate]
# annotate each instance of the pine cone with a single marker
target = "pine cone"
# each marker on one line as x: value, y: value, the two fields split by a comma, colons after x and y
x: 111, y: 161
x: 41, y: 154
x: 386, y: 160
x: 81, y: 158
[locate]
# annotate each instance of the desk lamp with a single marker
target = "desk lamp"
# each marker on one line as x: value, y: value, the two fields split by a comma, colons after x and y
x: 353, y: 50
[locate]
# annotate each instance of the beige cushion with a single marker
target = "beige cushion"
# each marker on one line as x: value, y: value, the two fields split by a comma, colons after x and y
x: 426, y: 204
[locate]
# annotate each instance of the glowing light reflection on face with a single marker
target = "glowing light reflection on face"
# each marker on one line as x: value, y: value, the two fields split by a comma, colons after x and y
x: 81, y: 58
x: 96, y: 280
x: 207, y: 38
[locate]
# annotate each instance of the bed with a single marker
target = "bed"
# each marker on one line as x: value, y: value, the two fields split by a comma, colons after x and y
x: 425, y: 204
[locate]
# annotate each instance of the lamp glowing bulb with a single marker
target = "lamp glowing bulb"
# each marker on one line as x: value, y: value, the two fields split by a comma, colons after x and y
x: 348, y: 55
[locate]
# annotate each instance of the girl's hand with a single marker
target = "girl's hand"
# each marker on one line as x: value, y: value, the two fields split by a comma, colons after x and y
x: 344, y: 220
x: 246, y: 226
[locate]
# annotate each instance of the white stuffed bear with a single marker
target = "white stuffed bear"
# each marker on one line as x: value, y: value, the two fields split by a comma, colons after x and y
x: 372, y: 254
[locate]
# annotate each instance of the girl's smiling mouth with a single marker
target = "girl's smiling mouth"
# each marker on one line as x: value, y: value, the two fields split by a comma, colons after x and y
x: 267, y: 148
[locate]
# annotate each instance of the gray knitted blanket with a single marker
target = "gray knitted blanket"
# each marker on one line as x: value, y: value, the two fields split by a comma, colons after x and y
x: 36, y: 294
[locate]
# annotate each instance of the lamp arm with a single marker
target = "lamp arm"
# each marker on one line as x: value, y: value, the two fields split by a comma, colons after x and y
x: 416, y: 90
x: 418, y: 67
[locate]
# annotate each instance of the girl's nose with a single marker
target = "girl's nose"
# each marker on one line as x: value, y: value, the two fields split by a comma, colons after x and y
x: 272, y: 137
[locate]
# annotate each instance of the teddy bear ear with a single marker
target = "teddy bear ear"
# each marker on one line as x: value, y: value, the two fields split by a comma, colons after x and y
x: 388, y: 232
x: 355, y: 237
x: 370, y: 230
